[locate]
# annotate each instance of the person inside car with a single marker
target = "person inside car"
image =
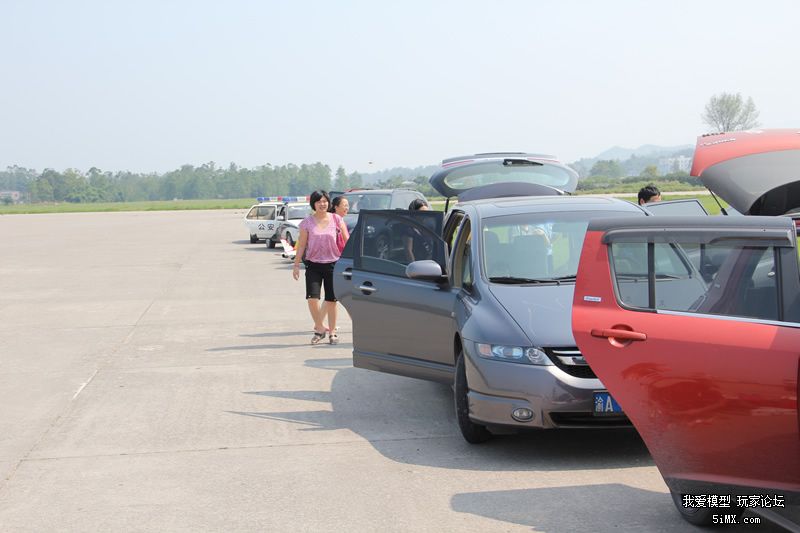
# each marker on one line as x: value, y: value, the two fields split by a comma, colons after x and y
x: 415, y: 245
x: 649, y: 194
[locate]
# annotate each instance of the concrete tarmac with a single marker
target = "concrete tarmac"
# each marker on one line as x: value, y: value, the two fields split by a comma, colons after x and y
x: 157, y: 376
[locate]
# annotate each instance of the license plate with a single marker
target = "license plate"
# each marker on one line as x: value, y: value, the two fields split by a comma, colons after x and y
x: 605, y: 404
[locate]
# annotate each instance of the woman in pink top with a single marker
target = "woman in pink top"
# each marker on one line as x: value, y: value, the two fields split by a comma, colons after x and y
x: 317, y: 243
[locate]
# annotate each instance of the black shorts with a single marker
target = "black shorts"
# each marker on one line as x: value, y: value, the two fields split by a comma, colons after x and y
x: 317, y: 276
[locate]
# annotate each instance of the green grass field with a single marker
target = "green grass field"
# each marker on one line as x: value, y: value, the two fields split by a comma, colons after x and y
x: 161, y: 205
x: 240, y: 203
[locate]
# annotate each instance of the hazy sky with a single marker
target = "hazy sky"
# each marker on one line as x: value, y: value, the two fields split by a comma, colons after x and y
x: 151, y: 85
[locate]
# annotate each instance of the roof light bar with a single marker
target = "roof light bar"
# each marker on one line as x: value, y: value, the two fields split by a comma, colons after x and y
x: 283, y: 198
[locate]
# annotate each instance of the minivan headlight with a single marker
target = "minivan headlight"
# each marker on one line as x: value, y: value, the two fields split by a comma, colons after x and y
x: 527, y: 355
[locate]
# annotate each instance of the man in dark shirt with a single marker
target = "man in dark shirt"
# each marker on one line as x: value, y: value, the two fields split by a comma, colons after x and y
x: 649, y: 194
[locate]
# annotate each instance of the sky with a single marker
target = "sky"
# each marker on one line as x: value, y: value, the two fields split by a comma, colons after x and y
x: 148, y: 86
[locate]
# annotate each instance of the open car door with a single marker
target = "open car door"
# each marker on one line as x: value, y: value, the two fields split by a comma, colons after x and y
x: 685, y: 207
x: 400, y: 325
x: 693, y: 324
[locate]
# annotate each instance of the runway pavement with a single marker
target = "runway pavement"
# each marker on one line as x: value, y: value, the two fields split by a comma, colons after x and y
x: 156, y: 376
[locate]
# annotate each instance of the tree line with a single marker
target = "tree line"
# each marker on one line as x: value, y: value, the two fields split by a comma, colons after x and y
x: 188, y: 182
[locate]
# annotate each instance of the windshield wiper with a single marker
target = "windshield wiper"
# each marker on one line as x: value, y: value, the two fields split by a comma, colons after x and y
x: 644, y: 276
x: 513, y: 280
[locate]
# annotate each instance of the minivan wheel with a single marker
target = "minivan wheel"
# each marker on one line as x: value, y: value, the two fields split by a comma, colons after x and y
x: 700, y: 516
x: 253, y: 238
x: 472, y: 432
x: 270, y: 243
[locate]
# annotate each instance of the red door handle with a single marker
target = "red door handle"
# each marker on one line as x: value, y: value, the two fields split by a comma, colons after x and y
x: 622, y: 334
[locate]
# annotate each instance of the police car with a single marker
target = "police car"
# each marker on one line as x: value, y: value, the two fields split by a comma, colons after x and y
x: 290, y: 216
x: 262, y: 220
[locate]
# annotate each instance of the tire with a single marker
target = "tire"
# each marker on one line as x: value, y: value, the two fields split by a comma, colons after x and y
x: 270, y: 243
x: 472, y: 432
x: 701, y: 516
x: 253, y: 238
x: 289, y: 239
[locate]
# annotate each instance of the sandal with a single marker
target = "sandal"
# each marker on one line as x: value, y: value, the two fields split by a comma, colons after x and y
x: 333, y: 338
x: 318, y: 337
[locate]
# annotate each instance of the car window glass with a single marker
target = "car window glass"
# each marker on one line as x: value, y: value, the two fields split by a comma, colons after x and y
x: 389, y: 244
x: 466, y: 264
x: 671, y: 263
x: 461, y: 253
x: 536, y: 245
x: 299, y: 212
x: 716, y: 279
x: 451, y: 229
x: 403, y: 200
x: 497, y: 171
x: 360, y: 201
x: 266, y: 212
x: 691, y: 207
x: 252, y: 214
x: 630, y: 258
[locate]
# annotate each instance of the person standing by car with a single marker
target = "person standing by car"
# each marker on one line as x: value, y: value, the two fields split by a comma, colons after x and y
x: 649, y: 194
x: 340, y: 206
x: 317, y: 245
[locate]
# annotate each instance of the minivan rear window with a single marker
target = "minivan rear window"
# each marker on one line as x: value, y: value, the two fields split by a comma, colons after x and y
x: 476, y: 175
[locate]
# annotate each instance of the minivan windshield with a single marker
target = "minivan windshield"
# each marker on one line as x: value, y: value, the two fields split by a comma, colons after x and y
x: 532, y: 248
x: 359, y: 201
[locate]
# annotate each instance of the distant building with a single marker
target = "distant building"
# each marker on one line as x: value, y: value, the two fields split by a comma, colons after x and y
x: 681, y: 163
x: 16, y: 196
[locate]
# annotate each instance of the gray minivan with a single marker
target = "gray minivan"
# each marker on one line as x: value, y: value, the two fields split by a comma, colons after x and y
x: 481, y: 299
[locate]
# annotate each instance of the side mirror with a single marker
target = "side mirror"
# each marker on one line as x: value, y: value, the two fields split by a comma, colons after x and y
x: 425, y: 270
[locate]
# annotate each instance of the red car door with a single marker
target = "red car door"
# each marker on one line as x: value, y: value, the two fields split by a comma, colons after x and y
x: 692, y: 324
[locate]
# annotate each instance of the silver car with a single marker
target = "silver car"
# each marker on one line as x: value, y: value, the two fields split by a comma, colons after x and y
x: 482, y: 299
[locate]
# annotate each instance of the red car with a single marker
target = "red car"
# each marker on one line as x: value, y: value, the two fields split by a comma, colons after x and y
x: 693, y: 324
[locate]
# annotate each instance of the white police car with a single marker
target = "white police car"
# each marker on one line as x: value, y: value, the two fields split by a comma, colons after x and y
x: 262, y: 220
x: 290, y: 216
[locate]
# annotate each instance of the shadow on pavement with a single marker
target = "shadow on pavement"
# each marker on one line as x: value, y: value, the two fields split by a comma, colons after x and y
x: 597, y: 508
x: 577, y: 508
x: 255, y: 347
x: 412, y: 421
x: 322, y: 345
x: 278, y: 334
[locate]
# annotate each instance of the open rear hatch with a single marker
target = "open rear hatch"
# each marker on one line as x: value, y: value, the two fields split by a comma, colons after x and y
x: 757, y: 172
x: 520, y: 174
